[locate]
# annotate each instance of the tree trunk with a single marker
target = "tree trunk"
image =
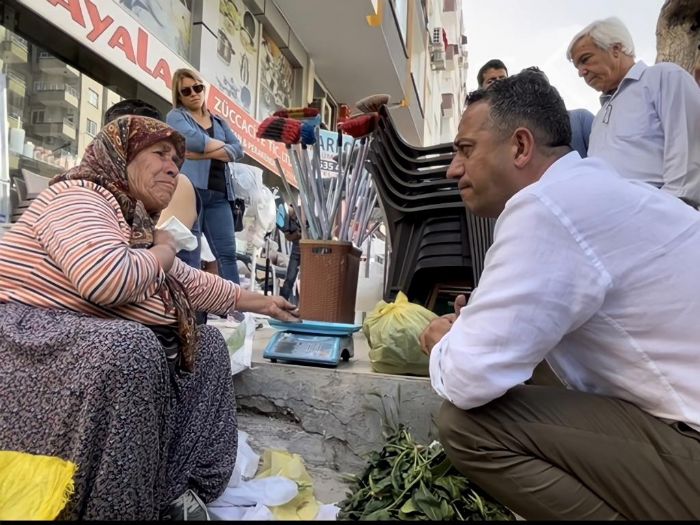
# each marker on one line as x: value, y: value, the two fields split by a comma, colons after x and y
x: 678, y: 35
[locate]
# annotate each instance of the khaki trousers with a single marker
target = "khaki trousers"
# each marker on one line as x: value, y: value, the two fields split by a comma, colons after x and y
x: 550, y: 453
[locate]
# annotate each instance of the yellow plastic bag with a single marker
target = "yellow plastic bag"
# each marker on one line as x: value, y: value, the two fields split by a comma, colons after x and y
x: 393, y: 331
x: 304, y: 506
x: 33, y: 487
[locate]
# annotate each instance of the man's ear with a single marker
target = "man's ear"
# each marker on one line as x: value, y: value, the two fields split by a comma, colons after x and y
x: 523, y: 147
x: 616, y: 49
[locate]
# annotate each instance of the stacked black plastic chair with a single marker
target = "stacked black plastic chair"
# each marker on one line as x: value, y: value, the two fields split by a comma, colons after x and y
x: 435, y: 241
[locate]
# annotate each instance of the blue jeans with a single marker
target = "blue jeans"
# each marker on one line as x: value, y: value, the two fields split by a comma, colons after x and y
x: 215, y: 220
x: 292, y: 271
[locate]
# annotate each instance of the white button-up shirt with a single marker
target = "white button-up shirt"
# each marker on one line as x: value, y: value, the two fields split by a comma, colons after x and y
x: 649, y: 129
x: 598, y: 274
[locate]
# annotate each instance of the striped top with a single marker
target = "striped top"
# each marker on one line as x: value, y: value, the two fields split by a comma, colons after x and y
x: 70, y: 250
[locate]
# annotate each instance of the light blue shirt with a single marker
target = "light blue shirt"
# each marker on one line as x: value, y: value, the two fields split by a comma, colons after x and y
x: 581, y: 121
x: 196, y: 140
x: 649, y: 129
x: 611, y: 296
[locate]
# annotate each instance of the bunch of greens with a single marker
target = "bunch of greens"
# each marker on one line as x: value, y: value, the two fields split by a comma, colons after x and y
x: 410, y: 481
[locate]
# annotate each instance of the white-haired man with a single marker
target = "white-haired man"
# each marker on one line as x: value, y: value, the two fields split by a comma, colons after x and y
x: 648, y: 126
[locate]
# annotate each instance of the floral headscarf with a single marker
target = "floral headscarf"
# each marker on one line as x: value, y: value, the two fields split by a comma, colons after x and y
x: 104, y: 163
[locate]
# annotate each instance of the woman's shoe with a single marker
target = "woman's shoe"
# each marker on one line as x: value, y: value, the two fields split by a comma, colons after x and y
x: 188, y: 507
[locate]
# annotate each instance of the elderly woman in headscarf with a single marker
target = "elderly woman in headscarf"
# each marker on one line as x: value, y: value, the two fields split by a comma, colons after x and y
x: 100, y: 360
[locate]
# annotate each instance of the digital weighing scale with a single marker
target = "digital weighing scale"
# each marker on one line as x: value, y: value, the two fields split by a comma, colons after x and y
x: 311, y: 342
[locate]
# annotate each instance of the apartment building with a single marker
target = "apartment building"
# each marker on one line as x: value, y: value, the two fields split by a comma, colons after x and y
x: 66, y: 61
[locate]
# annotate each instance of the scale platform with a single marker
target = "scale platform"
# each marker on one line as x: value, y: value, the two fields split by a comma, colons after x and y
x: 311, y: 342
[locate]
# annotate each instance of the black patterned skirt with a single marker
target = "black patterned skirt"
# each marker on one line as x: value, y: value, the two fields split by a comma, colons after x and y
x: 99, y: 393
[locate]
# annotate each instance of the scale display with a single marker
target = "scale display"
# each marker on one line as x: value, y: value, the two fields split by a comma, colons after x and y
x: 308, y: 348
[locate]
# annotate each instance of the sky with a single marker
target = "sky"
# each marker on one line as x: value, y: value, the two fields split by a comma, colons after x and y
x: 525, y: 33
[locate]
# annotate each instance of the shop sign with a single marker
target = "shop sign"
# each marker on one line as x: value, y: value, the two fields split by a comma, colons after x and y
x: 328, y: 140
x: 113, y: 34
x: 245, y: 126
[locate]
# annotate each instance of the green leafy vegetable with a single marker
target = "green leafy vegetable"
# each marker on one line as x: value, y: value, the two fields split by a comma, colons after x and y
x: 409, y: 481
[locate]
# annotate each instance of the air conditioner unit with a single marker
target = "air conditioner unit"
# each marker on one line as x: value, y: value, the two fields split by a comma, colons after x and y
x: 437, y: 60
x: 436, y: 41
x: 325, y: 110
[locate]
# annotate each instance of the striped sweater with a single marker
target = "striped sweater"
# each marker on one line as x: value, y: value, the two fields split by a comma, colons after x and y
x: 70, y: 250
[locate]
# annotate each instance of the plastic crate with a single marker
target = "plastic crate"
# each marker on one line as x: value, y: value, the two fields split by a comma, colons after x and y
x: 328, y: 275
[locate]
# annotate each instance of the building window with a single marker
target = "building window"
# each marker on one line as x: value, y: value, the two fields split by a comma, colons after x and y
x: 37, y: 117
x: 401, y: 15
x: 91, y: 128
x: 47, y: 112
x: 93, y: 98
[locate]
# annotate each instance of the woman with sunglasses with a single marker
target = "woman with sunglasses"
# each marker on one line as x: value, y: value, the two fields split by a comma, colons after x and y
x: 211, y: 145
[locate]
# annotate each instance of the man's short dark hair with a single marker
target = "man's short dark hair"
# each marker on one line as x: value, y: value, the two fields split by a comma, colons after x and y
x: 494, y: 63
x: 132, y: 106
x: 527, y: 100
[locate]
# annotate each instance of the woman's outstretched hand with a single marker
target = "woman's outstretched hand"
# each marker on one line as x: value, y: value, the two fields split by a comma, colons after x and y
x: 272, y: 305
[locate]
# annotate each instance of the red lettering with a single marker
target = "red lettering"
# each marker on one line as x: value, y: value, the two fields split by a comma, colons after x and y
x: 122, y: 40
x: 142, y: 51
x: 73, y: 6
x: 162, y: 71
x: 99, y: 25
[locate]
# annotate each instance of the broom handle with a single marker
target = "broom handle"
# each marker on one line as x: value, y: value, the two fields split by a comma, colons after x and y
x: 359, y: 171
x: 304, y: 232
x: 318, y: 180
x: 303, y: 194
x: 340, y: 183
x: 311, y: 181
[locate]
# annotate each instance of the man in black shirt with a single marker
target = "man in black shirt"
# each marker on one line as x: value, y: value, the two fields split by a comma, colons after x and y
x: 292, y: 232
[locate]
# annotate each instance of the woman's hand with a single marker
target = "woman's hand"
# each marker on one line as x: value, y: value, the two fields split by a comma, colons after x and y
x: 272, y: 305
x: 164, y: 249
x: 193, y: 155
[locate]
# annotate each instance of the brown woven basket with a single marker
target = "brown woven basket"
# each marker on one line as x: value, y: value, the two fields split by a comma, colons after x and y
x: 329, y: 271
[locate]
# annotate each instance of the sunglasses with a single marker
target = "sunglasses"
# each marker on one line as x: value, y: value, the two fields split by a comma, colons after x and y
x: 197, y: 88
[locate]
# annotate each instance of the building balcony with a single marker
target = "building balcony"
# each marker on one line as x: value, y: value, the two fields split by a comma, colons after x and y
x: 356, y: 52
x: 450, y: 18
x: 60, y: 129
x: 14, y: 121
x: 51, y: 65
x: 447, y: 104
x: 14, y: 50
x: 52, y: 94
x: 16, y: 85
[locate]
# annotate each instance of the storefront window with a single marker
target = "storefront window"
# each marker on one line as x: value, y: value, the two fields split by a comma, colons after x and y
x: 276, y: 79
x: 53, y: 111
x: 170, y: 21
x: 234, y: 68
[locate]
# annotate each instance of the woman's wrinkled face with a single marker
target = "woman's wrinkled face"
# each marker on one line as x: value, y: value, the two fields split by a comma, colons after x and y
x: 152, y: 175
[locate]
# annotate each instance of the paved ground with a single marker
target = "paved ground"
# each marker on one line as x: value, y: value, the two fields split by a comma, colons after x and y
x: 272, y: 432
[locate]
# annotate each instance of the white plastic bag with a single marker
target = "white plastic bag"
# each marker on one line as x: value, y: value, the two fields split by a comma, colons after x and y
x: 240, y: 344
x: 270, y: 492
x: 246, y: 461
x: 247, y: 183
x: 258, y: 513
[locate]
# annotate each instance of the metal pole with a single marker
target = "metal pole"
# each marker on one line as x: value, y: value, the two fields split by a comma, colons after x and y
x: 5, y: 202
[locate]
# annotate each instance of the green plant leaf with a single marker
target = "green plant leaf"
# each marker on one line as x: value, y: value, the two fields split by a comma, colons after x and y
x: 441, y: 468
x: 379, y: 515
x: 427, y: 503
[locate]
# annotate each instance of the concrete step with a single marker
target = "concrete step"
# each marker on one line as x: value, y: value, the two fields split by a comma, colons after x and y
x: 330, y: 486
x: 334, y: 416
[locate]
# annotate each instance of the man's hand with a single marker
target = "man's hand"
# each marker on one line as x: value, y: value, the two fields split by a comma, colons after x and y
x: 435, y: 331
x: 164, y: 248
x: 273, y: 305
x: 460, y: 302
